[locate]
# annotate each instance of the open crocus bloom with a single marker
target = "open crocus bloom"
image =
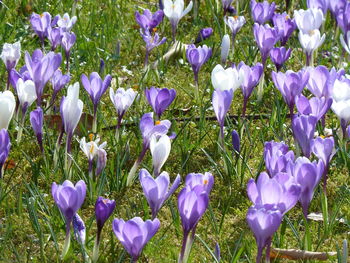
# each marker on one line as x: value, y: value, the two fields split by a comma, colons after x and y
x: 65, y: 22
x: 308, y: 20
x: 10, y: 54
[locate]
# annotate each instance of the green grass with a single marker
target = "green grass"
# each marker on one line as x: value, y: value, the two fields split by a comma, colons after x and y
x: 32, y: 228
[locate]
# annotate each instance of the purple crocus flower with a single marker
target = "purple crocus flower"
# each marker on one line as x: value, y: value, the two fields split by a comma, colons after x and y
x: 22, y: 74
x: 236, y: 141
x: 41, y: 24
x: 5, y: 146
x: 96, y: 87
x: 285, y: 25
x: 68, y: 40
x: 266, y: 37
x: 264, y: 221
x: 226, y: 4
x: 235, y: 23
x: 135, y: 234
x: 41, y: 68
x: 79, y: 229
x: 320, y: 4
x: 157, y: 190
x: 206, y: 180
x: 276, y: 157
x: 281, y: 191
x: 58, y: 81
x: 290, y: 84
x: 152, y: 41
x: 317, y: 107
x: 36, y: 120
x: 279, y: 55
x: 221, y: 102
x: 343, y: 18
x: 101, y: 161
x: 262, y: 12
x: 160, y: 99
x: 197, y: 57
x: 203, y: 34
x: 335, y: 6
x: 55, y: 37
x: 147, y: 21
x: 307, y: 174
x: 323, y: 148
x: 251, y: 78
x: 69, y: 198
x: 303, y: 127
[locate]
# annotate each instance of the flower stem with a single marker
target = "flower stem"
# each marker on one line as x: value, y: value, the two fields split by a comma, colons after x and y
x: 261, y: 87
x: 67, y: 241
x: 94, y: 123
x: 20, y: 128
x: 134, y: 168
x: 96, y: 249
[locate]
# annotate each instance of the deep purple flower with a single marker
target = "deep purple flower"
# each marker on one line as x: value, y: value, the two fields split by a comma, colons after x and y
x: 221, y: 102
x: 160, y: 99
x: 79, y: 229
x: 262, y: 12
x: 251, y: 78
x: 55, y: 37
x: 276, y: 157
x: 36, y: 120
x: 317, y: 107
x: 226, y: 4
x: 290, y: 84
x: 197, y: 57
x: 147, y: 21
x: 279, y: 55
x: 157, y: 190
x: 307, y: 174
x: 41, y: 68
x: 205, y: 180
x: 303, y: 127
x: 5, y: 146
x: 135, y: 234
x: 285, y: 25
x: 41, y: 24
x: 266, y: 37
x: 320, y: 4
x: 236, y: 141
x: 343, y: 18
x: 58, y: 81
x: 264, y: 221
x: 203, y: 34
x: 68, y: 40
x: 103, y: 210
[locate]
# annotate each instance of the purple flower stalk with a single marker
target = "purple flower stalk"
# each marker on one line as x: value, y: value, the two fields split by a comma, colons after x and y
x: 79, y: 229
x: 290, y: 84
x: 276, y: 157
x: 5, y: 146
x: 197, y: 57
x: 317, y: 107
x: 95, y: 87
x: 152, y: 41
x: 41, y: 24
x: 236, y: 141
x: 285, y: 26
x: 68, y: 40
x: 135, y: 234
x: 262, y: 12
x: 69, y: 198
x: 279, y: 55
x: 203, y: 34
x: 157, y: 190
x: 160, y: 99
x: 303, y: 127
x: 36, y: 120
x: 147, y: 21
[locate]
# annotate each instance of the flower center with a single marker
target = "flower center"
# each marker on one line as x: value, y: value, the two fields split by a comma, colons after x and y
x: 157, y: 122
x: 205, y: 181
x: 312, y: 32
x: 235, y: 18
x: 92, y: 149
x: 91, y: 136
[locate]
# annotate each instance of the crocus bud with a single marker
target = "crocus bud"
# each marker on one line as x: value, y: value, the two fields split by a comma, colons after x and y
x: 262, y: 12
x: 160, y: 99
x: 203, y: 34
x: 26, y: 94
x: 68, y: 40
x: 277, y: 157
x: 226, y: 79
x: 7, y: 108
x: 197, y: 56
x: 122, y: 100
x: 225, y: 48
x: 103, y: 210
x: 235, y: 141
x: 160, y: 150
x: 101, y: 161
x: 285, y: 26
x: 41, y: 24
x: 341, y: 99
x: 10, y: 55
x: 279, y: 55
x: 5, y: 146
x: 55, y: 37
x: 58, y: 81
x: 217, y: 252
x: 36, y: 120
x: 308, y: 20
x: 79, y: 229
x: 221, y: 101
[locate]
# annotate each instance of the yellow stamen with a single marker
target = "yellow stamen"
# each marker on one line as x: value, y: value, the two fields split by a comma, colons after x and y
x: 92, y: 149
x: 105, y: 201
x: 91, y: 137
x: 157, y: 122
x: 155, y: 30
x: 41, y: 15
x: 205, y: 181
x: 312, y: 32
x: 235, y: 17
x: 287, y: 17
x: 322, y: 136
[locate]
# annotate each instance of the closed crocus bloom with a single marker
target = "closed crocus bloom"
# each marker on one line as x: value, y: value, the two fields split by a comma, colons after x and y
x: 58, y: 81
x: 205, y: 180
x: 320, y: 4
x: 236, y: 141
x: 41, y: 24
x: 279, y: 55
x: 37, y: 121
x: 5, y: 146
x: 122, y: 100
x: 317, y: 107
x: 221, y: 102
x: 203, y: 34
x: 66, y: 22
x: 345, y: 42
x: 307, y: 174
x: 281, y: 191
x: 308, y: 20
x: 135, y: 234
x: 335, y: 6
x: 101, y: 161
x: 341, y: 101
x: 175, y: 10
x: 225, y: 48
x: 55, y: 37
x: 276, y: 157
x: 226, y: 4
x: 285, y: 26
x: 147, y: 21
x: 264, y: 221
x: 157, y: 190
x: 265, y: 37
x: 160, y: 149
x: 290, y: 84
x: 343, y: 19
x: 7, y: 108
x: 103, y: 210
x: 197, y: 56
x: 160, y: 99
x: 310, y: 42
x: 235, y: 23
x: 68, y: 40
x: 11, y: 54
x: 26, y: 94
x: 226, y: 79
x: 79, y: 229
x: 41, y: 68
x: 262, y: 12
x: 303, y: 127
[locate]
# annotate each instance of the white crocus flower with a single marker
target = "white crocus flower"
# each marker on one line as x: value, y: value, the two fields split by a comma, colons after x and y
x: 91, y: 148
x: 65, y: 22
x: 345, y: 42
x: 235, y: 23
x: 160, y: 150
x: 7, y: 107
x: 226, y: 79
x: 341, y: 99
x: 26, y: 93
x: 311, y: 40
x: 122, y: 99
x: 308, y: 20
x: 11, y: 54
x: 225, y: 48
